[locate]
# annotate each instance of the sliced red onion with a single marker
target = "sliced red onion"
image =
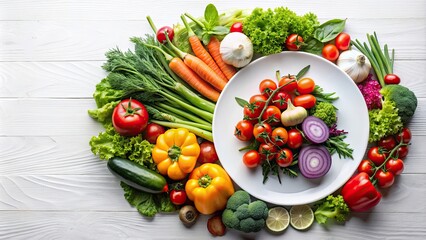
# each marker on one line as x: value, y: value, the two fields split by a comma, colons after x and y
x: 314, y: 161
x: 315, y: 129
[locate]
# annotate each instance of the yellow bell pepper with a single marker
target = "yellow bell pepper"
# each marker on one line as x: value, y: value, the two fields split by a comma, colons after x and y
x: 176, y: 152
x: 209, y: 187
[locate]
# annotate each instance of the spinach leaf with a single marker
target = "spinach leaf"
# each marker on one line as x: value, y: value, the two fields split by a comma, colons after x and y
x: 211, y: 16
x: 329, y: 30
x: 313, y: 46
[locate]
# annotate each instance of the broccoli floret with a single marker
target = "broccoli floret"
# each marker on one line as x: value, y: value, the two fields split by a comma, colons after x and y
x: 332, y: 207
x: 243, y: 215
x: 404, y: 99
x: 237, y: 199
x: 326, y: 112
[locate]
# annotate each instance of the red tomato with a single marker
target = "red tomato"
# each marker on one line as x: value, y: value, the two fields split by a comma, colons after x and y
x: 251, y: 112
x: 305, y: 85
x: 259, y: 101
x: 178, y: 197
x: 130, y: 117
x: 280, y: 100
x: 343, y: 41
x: 387, y: 143
x: 395, y: 166
x: 207, y: 153
x: 293, y: 42
x: 290, y: 80
x: 376, y: 156
x: 251, y: 159
x: 279, y: 136
x: 366, y: 166
x: 262, y: 132
x: 272, y: 115
x: 405, y: 135
x: 384, y: 179
x: 237, y: 27
x: 284, y: 157
x: 295, y: 139
x: 267, y: 151
x: 244, y: 130
x: 161, y: 34
x: 402, y: 152
x: 330, y: 52
x: 306, y: 100
x: 266, y: 87
x: 392, y: 79
x: 152, y: 131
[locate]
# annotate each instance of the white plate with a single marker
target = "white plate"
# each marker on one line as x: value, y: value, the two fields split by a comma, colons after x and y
x: 352, y: 117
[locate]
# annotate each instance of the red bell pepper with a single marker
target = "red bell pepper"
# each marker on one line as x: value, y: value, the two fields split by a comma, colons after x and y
x: 360, y: 194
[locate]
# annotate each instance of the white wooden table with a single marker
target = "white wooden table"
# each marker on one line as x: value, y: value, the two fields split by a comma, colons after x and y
x: 51, y: 185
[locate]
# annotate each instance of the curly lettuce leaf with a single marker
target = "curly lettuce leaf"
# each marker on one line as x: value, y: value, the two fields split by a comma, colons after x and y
x: 384, y: 122
x: 104, y: 93
x: 147, y: 204
x: 104, y: 113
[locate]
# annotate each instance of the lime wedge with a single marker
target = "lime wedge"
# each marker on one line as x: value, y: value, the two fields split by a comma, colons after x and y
x: 278, y: 219
x: 301, y: 217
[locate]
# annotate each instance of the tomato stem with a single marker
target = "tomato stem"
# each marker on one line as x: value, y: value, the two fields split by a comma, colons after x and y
x: 400, y: 144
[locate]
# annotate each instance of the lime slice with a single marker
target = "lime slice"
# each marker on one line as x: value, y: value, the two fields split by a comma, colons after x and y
x: 301, y: 217
x: 278, y: 219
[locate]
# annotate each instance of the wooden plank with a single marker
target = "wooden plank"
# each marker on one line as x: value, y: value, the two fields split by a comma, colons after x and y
x: 59, y: 192
x: 136, y: 10
x: 130, y: 225
x: 58, y: 117
x: 67, y: 155
x: 78, y: 79
x: 89, y: 40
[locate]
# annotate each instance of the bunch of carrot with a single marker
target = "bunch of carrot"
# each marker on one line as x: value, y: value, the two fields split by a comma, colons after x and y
x: 205, y: 72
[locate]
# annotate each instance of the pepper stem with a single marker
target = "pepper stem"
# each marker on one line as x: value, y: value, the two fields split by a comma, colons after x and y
x: 204, y: 181
x: 174, y: 153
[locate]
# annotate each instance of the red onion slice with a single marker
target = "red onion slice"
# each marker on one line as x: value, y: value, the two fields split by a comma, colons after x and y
x: 315, y: 130
x: 314, y: 161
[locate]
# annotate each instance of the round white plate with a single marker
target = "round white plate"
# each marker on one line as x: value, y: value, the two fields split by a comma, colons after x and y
x: 352, y: 117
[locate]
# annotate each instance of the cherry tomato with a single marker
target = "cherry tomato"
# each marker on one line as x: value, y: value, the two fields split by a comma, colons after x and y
x: 295, y: 139
x: 236, y: 27
x: 244, y: 130
x: 343, y: 41
x: 387, y: 143
x: 395, y: 166
x: 392, y: 79
x: 280, y: 100
x: 272, y: 115
x: 207, y: 153
x: 262, y: 132
x: 266, y: 87
x: 306, y: 100
x: 330, y: 52
x: 305, y: 85
x: 161, y: 34
x: 290, y: 80
x: 405, y: 135
x: 402, y: 152
x: 366, y: 166
x: 279, y: 136
x: 130, y: 117
x: 376, y: 156
x: 178, y: 197
x: 152, y: 131
x: 293, y: 42
x: 284, y: 157
x: 251, y: 159
x: 267, y: 151
x: 384, y: 179
x: 251, y: 112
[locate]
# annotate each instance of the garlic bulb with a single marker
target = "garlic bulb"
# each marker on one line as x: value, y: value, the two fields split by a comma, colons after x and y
x: 355, y: 64
x: 236, y: 49
x: 293, y: 115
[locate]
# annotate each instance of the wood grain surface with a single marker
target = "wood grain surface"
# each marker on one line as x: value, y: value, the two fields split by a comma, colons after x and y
x: 51, y: 53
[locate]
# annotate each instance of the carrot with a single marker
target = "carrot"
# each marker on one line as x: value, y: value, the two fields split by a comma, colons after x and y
x: 199, y: 50
x: 204, y: 71
x: 214, y: 50
x: 190, y: 77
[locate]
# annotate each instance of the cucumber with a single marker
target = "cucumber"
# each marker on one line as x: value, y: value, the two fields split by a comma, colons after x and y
x: 137, y: 176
